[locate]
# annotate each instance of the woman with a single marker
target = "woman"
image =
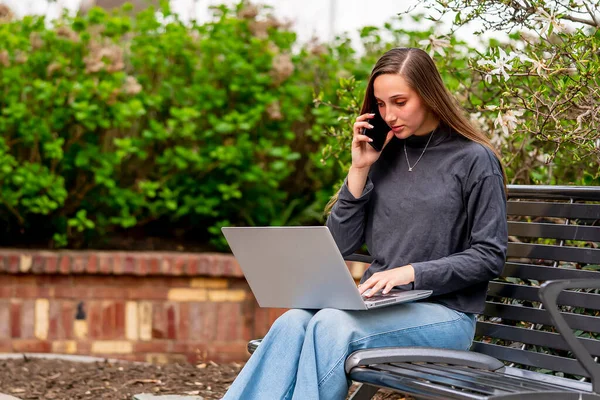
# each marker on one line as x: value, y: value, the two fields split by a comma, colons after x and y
x: 431, y: 208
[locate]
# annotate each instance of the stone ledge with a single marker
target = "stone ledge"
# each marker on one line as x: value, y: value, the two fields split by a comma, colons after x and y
x: 15, y: 261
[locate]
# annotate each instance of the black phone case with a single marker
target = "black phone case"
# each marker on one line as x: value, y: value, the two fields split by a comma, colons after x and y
x: 378, y: 133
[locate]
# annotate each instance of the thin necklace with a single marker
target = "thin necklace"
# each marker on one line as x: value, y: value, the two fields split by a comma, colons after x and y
x: 419, y: 159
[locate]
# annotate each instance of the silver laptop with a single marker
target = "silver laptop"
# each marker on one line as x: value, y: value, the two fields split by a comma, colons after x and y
x: 302, y: 267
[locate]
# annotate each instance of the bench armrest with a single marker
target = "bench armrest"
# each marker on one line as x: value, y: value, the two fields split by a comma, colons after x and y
x: 549, y: 292
x: 422, y: 354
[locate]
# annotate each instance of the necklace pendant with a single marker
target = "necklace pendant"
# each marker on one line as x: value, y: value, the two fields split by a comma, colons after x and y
x: 410, y: 170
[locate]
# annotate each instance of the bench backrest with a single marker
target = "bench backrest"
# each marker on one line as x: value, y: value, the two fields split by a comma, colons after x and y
x: 554, y: 233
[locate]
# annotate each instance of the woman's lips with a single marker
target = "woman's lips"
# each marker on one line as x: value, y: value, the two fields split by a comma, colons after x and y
x: 397, y: 128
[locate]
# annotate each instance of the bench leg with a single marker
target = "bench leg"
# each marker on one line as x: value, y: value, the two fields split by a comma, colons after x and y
x: 364, y: 392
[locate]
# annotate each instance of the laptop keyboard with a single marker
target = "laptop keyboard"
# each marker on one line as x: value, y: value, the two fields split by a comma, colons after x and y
x: 377, y: 297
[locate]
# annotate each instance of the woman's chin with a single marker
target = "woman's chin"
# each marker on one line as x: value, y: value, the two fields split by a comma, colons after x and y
x: 402, y: 134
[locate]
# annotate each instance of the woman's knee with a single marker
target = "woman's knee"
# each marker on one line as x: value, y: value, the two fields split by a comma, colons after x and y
x: 293, y: 320
x: 331, y: 322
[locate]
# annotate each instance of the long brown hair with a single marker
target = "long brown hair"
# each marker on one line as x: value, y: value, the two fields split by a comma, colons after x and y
x: 421, y: 74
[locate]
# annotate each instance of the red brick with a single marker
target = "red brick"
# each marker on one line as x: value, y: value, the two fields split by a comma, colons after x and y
x: 31, y: 346
x: 109, y: 320
x: 152, y: 265
x: 203, y: 265
x: 159, y: 321
x: 228, y: 352
x: 54, y: 280
x: 166, y: 265
x: 105, y: 263
x: 229, y: 321
x: 38, y: 263
x: 14, y: 262
x: 93, y: 280
x: 5, y: 309
x: 177, y: 346
x: 72, y: 292
x: 6, y: 345
x: 67, y: 318
x: 51, y: 264
x: 28, y: 319
x: 129, y: 264
x: 193, y: 265
x: 184, y: 316
x: 6, y: 291
x: 117, y: 267
x: 142, y: 266
x: 154, y: 346
x: 247, y: 318
x: 92, y: 264
x: 148, y: 293
x: 54, y: 320
x: 26, y: 292
x: 79, y: 263
x: 84, y: 346
x: 203, y: 321
x: 119, y: 319
x: 94, y: 318
x: 179, y: 264
x: 15, y: 319
x: 26, y: 280
x: 172, y: 320
x: 64, y: 266
x: 105, y: 292
x: 177, y: 281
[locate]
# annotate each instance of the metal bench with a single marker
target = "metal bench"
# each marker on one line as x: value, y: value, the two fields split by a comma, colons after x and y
x: 518, y: 354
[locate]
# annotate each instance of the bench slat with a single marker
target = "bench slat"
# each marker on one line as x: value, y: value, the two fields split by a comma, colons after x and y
x: 547, y: 252
x: 554, y: 231
x: 409, y: 385
x: 529, y: 336
x: 436, y: 377
x: 530, y: 358
x: 544, y: 273
x: 558, y: 210
x: 531, y: 293
x: 518, y: 313
x: 554, y: 192
x: 504, y: 381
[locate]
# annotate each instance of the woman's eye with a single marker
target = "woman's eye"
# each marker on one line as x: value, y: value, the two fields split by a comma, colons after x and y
x: 379, y: 105
x: 401, y: 103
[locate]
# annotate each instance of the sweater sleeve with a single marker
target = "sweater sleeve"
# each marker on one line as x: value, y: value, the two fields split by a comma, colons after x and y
x: 347, y: 219
x: 485, y: 257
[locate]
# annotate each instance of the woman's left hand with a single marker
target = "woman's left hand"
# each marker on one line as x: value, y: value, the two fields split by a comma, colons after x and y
x: 386, y: 280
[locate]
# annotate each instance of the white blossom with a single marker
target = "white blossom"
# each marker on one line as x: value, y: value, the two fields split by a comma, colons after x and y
x: 548, y: 20
x: 435, y: 44
x: 508, y: 121
x: 500, y: 65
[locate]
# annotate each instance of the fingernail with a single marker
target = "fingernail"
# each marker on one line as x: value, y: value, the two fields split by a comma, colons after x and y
x: 371, y: 113
x: 370, y: 126
x: 370, y: 140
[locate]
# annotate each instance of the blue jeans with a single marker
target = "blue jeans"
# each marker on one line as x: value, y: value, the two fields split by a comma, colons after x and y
x: 302, y: 356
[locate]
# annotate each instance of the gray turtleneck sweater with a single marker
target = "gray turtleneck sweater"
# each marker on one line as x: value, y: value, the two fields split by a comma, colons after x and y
x: 447, y: 218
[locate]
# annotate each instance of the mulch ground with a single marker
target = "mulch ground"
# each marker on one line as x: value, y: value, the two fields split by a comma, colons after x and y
x: 49, y: 379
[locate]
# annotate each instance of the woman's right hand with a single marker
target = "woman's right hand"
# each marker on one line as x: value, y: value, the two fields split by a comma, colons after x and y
x: 363, y: 154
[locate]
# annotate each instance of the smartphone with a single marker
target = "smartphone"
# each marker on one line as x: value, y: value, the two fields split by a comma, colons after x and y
x: 379, y: 131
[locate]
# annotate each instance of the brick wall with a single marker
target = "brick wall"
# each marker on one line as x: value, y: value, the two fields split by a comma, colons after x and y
x: 156, y: 307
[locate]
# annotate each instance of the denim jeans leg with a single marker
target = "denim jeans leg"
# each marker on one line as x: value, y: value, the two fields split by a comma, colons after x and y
x: 271, y: 371
x: 331, y: 335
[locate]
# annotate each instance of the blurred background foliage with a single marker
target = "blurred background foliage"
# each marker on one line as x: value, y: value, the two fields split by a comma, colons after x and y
x: 118, y: 128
